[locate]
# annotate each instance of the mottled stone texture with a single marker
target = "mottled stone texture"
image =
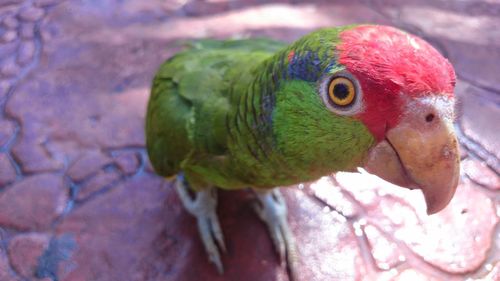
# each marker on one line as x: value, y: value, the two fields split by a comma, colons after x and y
x: 25, y: 250
x: 79, y: 199
x: 33, y: 203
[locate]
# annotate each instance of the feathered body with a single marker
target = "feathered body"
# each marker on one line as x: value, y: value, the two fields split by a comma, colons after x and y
x: 262, y: 114
x: 244, y: 113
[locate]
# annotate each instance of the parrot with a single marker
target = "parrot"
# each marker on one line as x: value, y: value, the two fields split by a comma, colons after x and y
x: 260, y: 114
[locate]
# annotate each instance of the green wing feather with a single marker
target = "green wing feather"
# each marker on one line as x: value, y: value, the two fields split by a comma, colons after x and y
x: 230, y: 114
x: 190, y: 100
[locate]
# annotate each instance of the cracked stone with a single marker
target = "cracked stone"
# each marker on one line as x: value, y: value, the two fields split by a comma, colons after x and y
x: 27, y: 30
x: 10, y: 22
x: 324, y: 238
x: 6, y: 273
x: 493, y: 274
x: 89, y: 163
x: 25, y: 250
x: 7, y: 172
x: 33, y: 203
x: 456, y: 239
x: 111, y: 226
x: 481, y: 173
x: 96, y: 183
x: 26, y: 52
x: 385, y: 252
x: 8, y: 36
x: 127, y: 162
x: 463, y: 151
x: 7, y: 129
x: 33, y: 157
x: 31, y: 14
x: 477, y: 115
x: 326, y: 190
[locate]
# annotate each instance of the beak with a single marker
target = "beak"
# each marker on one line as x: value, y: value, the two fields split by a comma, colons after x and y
x: 421, y: 152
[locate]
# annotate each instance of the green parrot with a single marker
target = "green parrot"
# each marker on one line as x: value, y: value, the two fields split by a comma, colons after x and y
x: 262, y: 114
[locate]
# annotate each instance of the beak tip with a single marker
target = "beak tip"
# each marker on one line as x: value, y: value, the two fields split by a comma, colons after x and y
x: 431, y: 211
x: 437, y: 201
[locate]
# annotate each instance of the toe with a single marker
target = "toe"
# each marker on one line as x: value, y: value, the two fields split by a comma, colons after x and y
x: 217, y: 232
x: 209, y: 244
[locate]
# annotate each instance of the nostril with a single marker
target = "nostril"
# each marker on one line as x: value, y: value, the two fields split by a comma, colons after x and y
x: 429, y: 117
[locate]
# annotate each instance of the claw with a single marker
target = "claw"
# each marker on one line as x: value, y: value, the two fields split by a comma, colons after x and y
x: 203, y: 208
x: 271, y: 209
x: 208, y: 242
x: 217, y: 233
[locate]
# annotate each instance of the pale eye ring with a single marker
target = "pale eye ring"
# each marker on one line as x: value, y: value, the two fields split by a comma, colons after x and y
x: 342, y: 93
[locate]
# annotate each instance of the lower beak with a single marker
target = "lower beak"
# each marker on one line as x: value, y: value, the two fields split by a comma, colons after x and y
x: 423, y: 156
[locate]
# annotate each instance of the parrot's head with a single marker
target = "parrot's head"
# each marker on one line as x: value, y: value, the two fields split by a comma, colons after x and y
x: 401, y: 89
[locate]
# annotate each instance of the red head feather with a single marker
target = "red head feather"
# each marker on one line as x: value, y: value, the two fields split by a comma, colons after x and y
x: 392, y: 67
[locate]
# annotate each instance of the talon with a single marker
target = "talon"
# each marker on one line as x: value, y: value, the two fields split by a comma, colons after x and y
x: 217, y: 233
x: 203, y: 207
x: 271, y: 209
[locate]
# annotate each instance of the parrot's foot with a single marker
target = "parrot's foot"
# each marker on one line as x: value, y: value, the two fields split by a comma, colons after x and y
x: 271, y: 209
x: 203, y: 208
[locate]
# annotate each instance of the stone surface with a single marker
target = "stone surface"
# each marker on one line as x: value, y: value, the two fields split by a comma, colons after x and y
x: 331, y: 194
x: 481, y: 173
x: 87, y: 164
x: 116, y: 224
x: 26, y: 52
x: 7, y: 171
x: 27, y: 30
x: 9, y: 68
x: 31, y: 14
x: 6, y: 273
x: 101, y: 180
x: 79, y: 93
x: 457, y: 239
x: 8, y: 36
x: 25, y: 251
x: 128, y: 162
x: 6, y: 131
x: 7, y: 50
x: 385, y: 252
x: 10, y: 22
x: 33, y: 203
x: 479, y: 108
x: 44, y: 3
x: 33, y: 156
x: 494, y: 273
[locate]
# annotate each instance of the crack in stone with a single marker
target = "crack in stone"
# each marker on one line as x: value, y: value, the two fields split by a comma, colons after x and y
x: 14, y: 83
x: 481, y: 86
x: 477, y: 149
x: 357, y: 223
x: 484, y: 188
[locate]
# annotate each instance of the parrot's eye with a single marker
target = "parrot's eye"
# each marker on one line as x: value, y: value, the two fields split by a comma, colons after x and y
x: 341, y: 91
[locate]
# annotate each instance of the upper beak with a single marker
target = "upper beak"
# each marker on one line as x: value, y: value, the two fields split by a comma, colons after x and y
x: 421, y: 152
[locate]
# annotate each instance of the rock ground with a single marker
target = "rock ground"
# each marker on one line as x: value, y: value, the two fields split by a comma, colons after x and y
x: 78, y: 198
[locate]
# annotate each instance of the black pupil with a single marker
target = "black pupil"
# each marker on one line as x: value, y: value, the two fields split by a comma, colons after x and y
x: 341, y: 91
